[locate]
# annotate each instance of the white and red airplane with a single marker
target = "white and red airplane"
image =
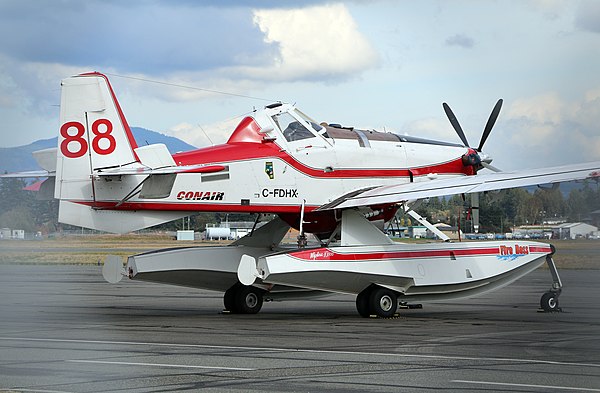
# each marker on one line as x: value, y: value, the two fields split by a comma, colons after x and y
x: 334, y: 182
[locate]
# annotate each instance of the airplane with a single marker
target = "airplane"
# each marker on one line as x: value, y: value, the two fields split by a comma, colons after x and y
x: 337, y: 183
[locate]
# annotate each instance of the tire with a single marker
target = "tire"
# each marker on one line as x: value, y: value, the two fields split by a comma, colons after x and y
x: 383, y: 302
x: 362, y: 303
x: 549, y: 301
x: 229, y: 298
x: 248, y: 300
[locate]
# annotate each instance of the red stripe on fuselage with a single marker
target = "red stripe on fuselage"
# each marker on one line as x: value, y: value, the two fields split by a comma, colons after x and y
x: 325, y: 254
x: 542, y: 249
x: 249, y: 151
x: 187, y: 206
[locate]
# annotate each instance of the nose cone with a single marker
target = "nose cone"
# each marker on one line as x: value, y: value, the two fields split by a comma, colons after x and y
x: 471, y: 158
x: 486, y: 158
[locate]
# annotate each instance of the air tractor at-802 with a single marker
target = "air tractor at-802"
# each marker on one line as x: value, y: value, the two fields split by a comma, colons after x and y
x: 337, y: 183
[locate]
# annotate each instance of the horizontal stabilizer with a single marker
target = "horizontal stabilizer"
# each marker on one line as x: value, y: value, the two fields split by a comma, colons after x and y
x: 46, y: 158
x: 155, y: 156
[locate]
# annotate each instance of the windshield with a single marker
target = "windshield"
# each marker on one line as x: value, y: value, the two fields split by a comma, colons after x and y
x: 291, y: 128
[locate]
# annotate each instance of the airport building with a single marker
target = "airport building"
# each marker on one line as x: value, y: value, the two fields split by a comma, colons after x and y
x: 574, y: 230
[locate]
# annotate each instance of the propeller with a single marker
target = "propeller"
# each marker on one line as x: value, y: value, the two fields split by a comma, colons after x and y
x: 455, y: 124
x: 486, y: 131
x: 473, y: 158
x: 490, y: 124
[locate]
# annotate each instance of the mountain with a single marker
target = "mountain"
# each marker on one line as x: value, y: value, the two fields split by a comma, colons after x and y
x: 17, y: 159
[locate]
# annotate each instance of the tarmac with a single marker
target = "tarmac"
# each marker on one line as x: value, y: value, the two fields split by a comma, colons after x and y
x: 63, y: 329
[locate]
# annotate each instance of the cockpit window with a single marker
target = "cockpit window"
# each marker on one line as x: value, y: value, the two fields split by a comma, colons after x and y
x: 291, y: 128
x: 310, y: 121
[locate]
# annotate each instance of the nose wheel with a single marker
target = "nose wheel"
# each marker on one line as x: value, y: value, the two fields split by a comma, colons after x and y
x: 549, y: 300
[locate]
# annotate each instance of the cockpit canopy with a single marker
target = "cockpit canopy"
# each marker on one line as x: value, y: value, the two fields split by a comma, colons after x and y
x: 294, y: 125
x: 293, y: 129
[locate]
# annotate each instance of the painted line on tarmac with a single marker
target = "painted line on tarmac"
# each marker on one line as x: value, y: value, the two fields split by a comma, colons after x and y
x: 12, y: 390
x: 523, y: 385
x: 161, y: 365
x: 321, y: 351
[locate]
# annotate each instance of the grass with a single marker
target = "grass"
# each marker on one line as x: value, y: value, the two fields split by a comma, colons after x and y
x: 92, y: 249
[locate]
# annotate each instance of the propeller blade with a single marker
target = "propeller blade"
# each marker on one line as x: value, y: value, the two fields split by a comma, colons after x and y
x: 455, y: 124
x: 490, y: 167
x: 490, y: 124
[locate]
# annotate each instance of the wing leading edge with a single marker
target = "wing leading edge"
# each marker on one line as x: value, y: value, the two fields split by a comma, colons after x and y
x: 466, y: 184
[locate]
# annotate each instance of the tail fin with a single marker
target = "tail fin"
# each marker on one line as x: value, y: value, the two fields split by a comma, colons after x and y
x: 95, y: 135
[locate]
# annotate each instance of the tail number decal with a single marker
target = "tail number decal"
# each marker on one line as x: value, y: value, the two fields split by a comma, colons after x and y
x: 75, y: 145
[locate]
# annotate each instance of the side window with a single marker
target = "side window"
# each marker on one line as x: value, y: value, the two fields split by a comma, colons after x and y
x: 291, y: 128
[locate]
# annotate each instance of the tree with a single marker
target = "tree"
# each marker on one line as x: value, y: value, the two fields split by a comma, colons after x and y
x: 576, y: 205
x: 19, y: 217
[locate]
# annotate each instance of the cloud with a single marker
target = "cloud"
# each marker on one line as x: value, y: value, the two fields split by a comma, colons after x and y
x: 553, y: 131
x: 314, y: 42
x: 230, y: 48
x: 588, y: 16
x: 101, y: 34
x: 31, y: 87
x: 460, y: 40
x: 550, y: 9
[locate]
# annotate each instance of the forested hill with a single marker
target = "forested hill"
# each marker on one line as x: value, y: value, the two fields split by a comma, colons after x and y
x: 17, y: 159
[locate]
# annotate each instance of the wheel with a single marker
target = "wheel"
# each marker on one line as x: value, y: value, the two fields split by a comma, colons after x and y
x: 229, y: 298
x: 362, y: 303
x: 549, y: 301
x: 248, y: 300
x: 383, y: 302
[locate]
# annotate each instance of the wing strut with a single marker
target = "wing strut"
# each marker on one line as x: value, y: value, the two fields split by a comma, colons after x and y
x: 302, y: 241
x: 425, y: 223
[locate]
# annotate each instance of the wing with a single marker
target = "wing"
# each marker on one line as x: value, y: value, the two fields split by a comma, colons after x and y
x: 466, y: 184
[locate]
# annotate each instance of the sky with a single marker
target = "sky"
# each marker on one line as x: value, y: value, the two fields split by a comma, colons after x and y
x: 384, y: 65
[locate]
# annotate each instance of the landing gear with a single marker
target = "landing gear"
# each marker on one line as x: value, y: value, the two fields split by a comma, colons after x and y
x: 377, y: 300
x: 241, y: 299
x: 549, y: 300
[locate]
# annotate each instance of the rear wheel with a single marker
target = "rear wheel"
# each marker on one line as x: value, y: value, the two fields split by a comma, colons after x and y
x: 549, y: 301
x: 383, y: 302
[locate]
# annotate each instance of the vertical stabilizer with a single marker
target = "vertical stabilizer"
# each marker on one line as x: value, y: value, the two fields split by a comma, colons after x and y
x: 93, y: 135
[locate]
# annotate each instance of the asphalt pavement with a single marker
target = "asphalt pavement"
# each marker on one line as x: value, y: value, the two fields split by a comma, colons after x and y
x: 63, y: 329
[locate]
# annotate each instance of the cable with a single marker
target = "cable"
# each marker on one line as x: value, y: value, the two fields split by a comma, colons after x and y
x: 190, y: 87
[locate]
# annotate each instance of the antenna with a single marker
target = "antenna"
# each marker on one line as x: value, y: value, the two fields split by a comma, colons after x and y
x: 206, y: 135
